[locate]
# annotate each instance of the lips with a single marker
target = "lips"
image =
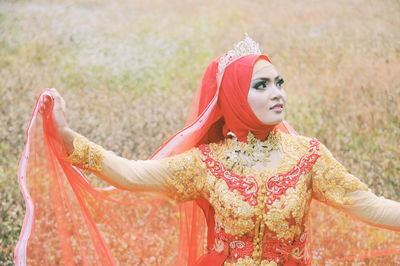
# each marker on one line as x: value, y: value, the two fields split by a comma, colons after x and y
x: 277, y: 107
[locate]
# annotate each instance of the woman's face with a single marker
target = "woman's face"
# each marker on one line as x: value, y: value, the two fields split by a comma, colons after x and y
x: 266, y: 96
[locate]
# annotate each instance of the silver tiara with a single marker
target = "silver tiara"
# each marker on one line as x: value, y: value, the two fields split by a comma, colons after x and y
x: 242, y: 48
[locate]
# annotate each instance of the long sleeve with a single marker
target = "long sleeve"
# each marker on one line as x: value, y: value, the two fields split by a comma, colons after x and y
x: 335, y: 186
x: 374, y: 210
x: 180, y: 176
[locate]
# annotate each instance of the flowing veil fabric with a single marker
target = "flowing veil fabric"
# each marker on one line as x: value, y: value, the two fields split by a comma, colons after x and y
x: 70, y: 221
x: 337, y: 238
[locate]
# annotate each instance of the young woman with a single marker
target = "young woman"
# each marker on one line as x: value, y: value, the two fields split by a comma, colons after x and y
x: 245, y: 179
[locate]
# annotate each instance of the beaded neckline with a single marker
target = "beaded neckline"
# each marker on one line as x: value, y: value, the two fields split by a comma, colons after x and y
x: 240, y: 156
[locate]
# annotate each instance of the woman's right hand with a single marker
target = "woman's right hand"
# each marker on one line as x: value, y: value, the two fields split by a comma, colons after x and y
x: 58, y: 109
x: 67, y: 134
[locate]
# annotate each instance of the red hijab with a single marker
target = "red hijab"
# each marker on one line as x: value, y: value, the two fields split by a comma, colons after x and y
x: 217, y: 110
x: 238, y: 115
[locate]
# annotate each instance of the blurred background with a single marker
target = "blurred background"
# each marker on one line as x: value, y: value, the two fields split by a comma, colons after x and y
x: 129, y: 69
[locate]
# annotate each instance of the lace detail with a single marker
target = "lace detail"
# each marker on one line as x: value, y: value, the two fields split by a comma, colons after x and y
x: 277, y: 185
x: 331, y: 180
x: 261, y: 214
x: 246, y: 155
x: 86, y: 155
x: 237, y: 247
x: 246, y: 185
x: 188, y: 175
x: 280, y: 250
x: 284, y: 217
x: 250, y: 262
x: 274, y: 250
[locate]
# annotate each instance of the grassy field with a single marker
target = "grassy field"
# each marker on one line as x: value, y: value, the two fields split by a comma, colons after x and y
x: 128, y: 70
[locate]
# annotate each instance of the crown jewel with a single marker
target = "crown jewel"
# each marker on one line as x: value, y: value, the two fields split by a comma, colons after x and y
x: 242, y: 48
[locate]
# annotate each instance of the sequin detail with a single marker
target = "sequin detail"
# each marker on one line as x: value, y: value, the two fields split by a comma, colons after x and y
x: 273, y: 250
x: 237, y: 247
x: 246, y: 155
x: 246, y: 185
x: 277, y: 185
x: 331, y: 180
x: 280, y: 250
x: 250, y: 262
x: 188, y: 175
x: 263, y: 233
x: 86, y: 155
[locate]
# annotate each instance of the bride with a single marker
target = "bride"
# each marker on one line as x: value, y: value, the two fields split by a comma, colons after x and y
x: 244, y: 180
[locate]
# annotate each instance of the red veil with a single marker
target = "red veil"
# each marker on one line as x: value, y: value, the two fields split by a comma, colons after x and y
x: 70, y: 221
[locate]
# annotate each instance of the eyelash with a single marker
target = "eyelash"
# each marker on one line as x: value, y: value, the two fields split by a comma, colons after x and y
x: 258, y: 84
x: 264, y: 83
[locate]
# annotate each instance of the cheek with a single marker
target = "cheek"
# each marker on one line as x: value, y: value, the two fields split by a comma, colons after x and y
x: 256, y: 100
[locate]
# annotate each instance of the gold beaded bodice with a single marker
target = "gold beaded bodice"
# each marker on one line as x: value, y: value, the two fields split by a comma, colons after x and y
x: 259, y: 212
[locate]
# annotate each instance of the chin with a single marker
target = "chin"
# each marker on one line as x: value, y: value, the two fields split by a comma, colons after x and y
x: 276, y: 120
x: 271, y: 123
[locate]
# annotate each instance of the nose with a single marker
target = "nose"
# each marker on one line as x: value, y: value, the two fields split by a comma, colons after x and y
x: 276, y: 94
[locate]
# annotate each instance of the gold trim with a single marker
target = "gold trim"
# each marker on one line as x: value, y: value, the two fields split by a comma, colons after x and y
x: 86, y: 155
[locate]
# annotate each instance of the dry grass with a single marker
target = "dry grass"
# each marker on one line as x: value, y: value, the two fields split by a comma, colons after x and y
x: 128, y: 70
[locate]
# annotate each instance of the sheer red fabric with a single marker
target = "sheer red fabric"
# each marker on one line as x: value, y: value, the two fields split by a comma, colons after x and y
x: 69, y: 221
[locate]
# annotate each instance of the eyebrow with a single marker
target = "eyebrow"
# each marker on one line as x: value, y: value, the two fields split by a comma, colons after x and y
x: 265, y: 79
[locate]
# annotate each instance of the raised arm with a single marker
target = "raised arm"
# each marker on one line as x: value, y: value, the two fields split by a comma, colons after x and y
x: 117, y: 171
x: 180, y: 176
x: 335, y: 186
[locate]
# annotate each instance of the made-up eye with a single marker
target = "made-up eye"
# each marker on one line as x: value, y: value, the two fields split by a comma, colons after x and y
x: 260, y: 85
x: 280, y: 82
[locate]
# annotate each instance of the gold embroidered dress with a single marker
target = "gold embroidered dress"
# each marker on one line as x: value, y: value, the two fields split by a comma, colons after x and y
x: 260, y: 214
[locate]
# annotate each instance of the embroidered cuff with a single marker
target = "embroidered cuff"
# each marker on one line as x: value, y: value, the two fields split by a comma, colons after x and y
x: 86, y: 154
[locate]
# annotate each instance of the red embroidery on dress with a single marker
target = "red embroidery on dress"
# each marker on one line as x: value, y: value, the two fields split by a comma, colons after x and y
x: 236, y: 246
x: 280, y: 250
x: 246, y: 185
x: 278, y: 184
